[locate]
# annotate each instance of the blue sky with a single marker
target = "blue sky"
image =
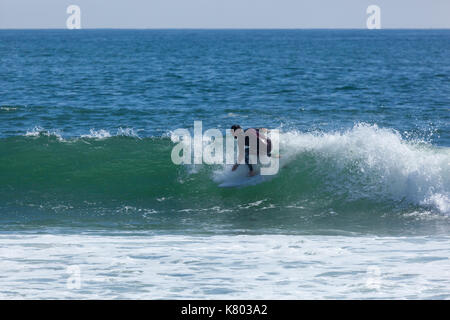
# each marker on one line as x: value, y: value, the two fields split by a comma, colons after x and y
x: 225, y: 13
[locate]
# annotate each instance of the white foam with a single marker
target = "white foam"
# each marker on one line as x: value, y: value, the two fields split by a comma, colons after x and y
x: 127, y: 132
x: 39, y: 131
x: 35, y: 132
x: 145, y: 266
x: 93, y: 133
x: 97, y: 134
x: 389, y: 165
x: 8, y: 108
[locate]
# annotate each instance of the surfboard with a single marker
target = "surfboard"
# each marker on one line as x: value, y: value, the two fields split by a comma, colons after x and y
x: 240, y: 177
x: 242, y: 182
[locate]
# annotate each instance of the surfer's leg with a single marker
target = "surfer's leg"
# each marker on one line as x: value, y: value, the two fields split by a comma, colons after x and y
x: 247, y: 162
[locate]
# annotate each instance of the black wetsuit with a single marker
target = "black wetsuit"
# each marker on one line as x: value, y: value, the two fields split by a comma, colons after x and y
x: 247, y: 148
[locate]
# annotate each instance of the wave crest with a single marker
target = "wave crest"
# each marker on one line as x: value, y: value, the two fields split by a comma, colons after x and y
x: 377, y: 162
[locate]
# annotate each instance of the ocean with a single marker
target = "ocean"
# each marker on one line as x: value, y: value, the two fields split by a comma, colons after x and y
x: 92, y: 207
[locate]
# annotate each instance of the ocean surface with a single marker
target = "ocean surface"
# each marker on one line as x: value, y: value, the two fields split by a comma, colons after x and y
x: 359, y: 209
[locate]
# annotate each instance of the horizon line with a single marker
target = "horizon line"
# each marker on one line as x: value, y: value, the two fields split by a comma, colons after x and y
x: 231, y: 28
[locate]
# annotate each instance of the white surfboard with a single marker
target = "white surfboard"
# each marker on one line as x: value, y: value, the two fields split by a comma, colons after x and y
x: 242, y: 182
x: 240, y: 178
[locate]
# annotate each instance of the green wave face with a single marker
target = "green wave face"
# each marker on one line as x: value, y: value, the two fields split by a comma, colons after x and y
x: 340, y: 182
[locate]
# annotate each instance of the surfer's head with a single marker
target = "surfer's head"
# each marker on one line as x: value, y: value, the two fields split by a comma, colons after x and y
x: 235, y: 130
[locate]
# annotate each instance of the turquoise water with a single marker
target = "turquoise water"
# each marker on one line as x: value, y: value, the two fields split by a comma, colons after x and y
x: 85, y: 124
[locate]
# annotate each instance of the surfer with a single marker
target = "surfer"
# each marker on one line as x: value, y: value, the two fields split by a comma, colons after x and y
x: 261, y: 139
